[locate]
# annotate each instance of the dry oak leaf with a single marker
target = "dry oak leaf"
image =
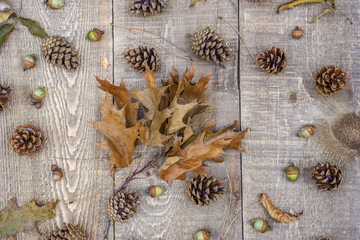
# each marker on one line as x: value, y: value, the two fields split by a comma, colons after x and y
x: 122, y: 99
x: 14, y: 219
x: 179, y: 161
x: 275, y: 213
x: 121, y: 142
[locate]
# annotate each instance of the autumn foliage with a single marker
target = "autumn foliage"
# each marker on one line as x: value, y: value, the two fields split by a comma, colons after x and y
x: 174, y: 117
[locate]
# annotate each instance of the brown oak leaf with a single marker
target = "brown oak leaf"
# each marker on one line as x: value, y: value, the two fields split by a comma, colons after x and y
x: 179, y: 161
x: 14, y: 219
x: 275, y: 213
x: 121, y: 142
x: 122, y: 99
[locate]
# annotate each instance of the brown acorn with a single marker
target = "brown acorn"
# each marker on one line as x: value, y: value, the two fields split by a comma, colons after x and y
x: 94, y: 35
x: 156, y: 191
x: 297, y: 33
x: 306, y: 131
x: 29, y: 61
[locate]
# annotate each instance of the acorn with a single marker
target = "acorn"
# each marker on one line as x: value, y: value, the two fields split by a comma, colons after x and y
x: 297, y: 33
x: 260, y: 225
x: 202, y: 235
x: 292, y: 173
x: 29, y: 61
x: 94, y: 35
x: 37, y: 96
x: 55, y: 4
x: 56, y: 173
x: 4, y: 6
x: 156, y: 191
x: 306, y: 131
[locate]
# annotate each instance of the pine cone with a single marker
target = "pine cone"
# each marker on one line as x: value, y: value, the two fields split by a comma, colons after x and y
x: 122, y: 206
x: 70, y: 232
x: 27, y: 140
x: 57, y: 51
x: 330, y: 80
x: 202, y: 189
x: 147, y: 7
x: 208, y: 45
x: 138, y: 57
x: 272, y: 61
x: 327, y: 177
x: 5, y: 97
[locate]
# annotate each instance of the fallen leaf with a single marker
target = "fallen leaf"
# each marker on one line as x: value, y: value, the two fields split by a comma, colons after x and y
x: 292, y: 4
x: 275, y: 213
x: 180, y: 161
x: 193, y: 2
x: 105, y: 63
x: 14, y: 219
x: 33, y: 27
x: 326, y: 10
x: 122, y: 99
x: 5, y: 31
x: 121, y: 142
x: 5, y: 16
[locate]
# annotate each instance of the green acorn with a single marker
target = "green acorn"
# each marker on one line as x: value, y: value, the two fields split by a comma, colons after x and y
x: 306, y: 131
x: 37, y: 96
x: 292, y: 173
x: 156, y: 191
x: 55, y: 4
x: 29, y: 61
x: 260, y: 225
x: 94, y: 35
x: 202, y: 235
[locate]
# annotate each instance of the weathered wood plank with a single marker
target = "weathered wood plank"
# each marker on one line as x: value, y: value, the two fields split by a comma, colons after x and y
x: 275, y: 119
x: 173, y: 216
x: 71, y: 102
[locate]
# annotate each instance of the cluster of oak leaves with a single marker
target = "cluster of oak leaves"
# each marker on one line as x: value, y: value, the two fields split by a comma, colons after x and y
x: 174, y: 118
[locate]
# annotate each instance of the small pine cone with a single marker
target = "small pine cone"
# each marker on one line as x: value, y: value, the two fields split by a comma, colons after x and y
x: 208, y: 45
x: 70, y: 232
x: 330, y: 79
x: 5, y: 97
x: 139, y: 57
x: 122, y: 206
x: 147, y: 7
x: 272, y: 61
x: 327, y: 177
x: 57, y: 51
x: 202, y: 189
x: 27, y: 140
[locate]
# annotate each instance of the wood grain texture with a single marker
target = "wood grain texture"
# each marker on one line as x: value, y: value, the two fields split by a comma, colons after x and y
x: 275, y: 119
x: 70, y: 104
x: 174, y: 216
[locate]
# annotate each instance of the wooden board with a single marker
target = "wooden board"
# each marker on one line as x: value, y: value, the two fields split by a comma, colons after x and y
x: 239, y: 92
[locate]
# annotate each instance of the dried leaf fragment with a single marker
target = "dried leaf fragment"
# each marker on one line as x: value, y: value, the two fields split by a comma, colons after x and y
x: 275, y: 213
x: 292, y: 4
x: 105, y: 63
x: 14, y: 219
x: 5, y: 16
x: 193, y: 2
x: 326, y: 10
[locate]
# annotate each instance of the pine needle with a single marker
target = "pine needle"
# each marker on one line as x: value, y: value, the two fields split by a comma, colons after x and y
x: 230, y: 200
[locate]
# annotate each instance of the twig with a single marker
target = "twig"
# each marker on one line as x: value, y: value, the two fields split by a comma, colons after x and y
x: 154, y: 33
x: 239, y: 214
x: 242, y: 38
x: 334, y: 7
x: 162, y: 48
x: 142, y: 154
x: 230, y: 199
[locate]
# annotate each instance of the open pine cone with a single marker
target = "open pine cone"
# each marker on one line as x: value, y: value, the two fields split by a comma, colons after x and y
x: 272, y: 61
x: 5, y: 97
x: 139, y: 57
x: 202, y: 189
x: 330, y: 79
x: 70, y: 232
x: 57, y: 51
x: 27, y: 140
x: 327, y: 177
x: 208, y: 45
x: 122, y: 206
x: 147, y: 7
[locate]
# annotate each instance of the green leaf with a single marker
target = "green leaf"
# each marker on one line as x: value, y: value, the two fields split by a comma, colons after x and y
x: 5, y: 16
x: 5, y: 30
x: 14, y: 219
x: 33, y: 27
x: 326, y: 10
x: 297, y: 2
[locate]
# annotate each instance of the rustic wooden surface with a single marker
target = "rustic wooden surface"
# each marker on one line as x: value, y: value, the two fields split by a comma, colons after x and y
x: 240, y: 92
